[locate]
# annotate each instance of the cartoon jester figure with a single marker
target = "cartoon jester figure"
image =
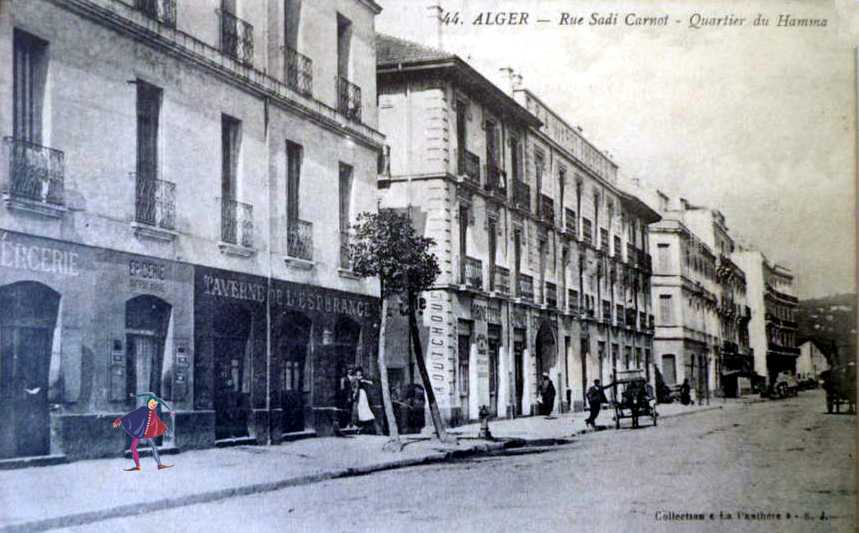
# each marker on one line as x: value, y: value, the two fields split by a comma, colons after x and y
x: 144, y: 424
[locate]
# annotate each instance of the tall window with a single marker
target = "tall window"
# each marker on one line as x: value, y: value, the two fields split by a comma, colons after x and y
x: 344, y: 45
x: 491, y: 143
x: 542, y: 245
x: 294, y: 157
x: 345, y: 192
x: 230, y: 132
x: 463, y: 241
x: 291, y: 19
x: 665, y: 309
x: 669, y: 369
x: 28, y: 86
x: 461, y: 135
x: 464, y: 353
x: 148, y: 111
x: 663, y: 257
x: 493, y: 252
x: 517, y: 258
x: 516, y: 158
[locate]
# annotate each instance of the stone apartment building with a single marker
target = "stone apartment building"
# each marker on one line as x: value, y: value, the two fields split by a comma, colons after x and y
x: 545, y: 265
x: 685, y: 291
x: 773, y: 325
x: 167, y: 170
x: 733, y: 359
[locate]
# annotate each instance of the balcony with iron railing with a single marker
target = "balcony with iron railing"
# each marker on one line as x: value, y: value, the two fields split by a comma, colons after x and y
x: 468, y: 166
x: 237, y: 38
x: 570, y: 221
x: 36, y: 173
x: 164, y: 11
x: 521, y: 195
x: 551, y: 295
x: 606, y: 311
x: 299, y: 239
x: 604, y: 246
x: 619, y: 316
x: 630, y: 318
x: 298, y: 71
x: 496, y: 180
x: 237, y: 225
x: 154, y: 202
x: 473, y: 271
x: 631, y: 256
x: 348, y: 99
x: 547, y: 209
x: 500, y: 280
x: 525, y: 290
x: 642, y: 320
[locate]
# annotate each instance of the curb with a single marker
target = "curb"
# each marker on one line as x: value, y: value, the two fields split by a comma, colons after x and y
x: 696, y: 411
x: 256, y: 488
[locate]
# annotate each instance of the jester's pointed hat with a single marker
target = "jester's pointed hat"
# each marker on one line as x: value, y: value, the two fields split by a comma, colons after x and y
x: 152, y: 396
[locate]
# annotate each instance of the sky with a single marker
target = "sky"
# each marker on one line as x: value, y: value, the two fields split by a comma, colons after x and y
x: 757, y: 121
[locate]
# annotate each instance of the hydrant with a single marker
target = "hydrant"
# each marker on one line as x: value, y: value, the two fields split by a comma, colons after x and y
x: 484, y: 423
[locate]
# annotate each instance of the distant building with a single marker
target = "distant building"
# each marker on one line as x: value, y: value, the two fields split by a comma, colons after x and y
x: 811, y: 361
x: 773, y: 326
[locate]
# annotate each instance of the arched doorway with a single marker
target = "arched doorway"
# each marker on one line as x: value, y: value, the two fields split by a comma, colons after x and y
x: 231, y: 354
x: 293, y: 349
x: 547, y: 352
x: 146, y: 320
x: 27, y: 322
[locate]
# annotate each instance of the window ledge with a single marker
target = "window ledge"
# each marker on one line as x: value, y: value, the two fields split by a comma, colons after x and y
x: 145, y: 231
x: 236, y: 250
x: 31, y: 206
x: 298, y: 263
x: 346, y: 273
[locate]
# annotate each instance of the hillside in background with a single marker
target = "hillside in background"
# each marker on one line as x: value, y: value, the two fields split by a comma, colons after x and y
x: 831, y: 321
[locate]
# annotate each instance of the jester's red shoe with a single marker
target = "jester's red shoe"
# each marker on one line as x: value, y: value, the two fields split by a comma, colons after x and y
x: 133, y: 469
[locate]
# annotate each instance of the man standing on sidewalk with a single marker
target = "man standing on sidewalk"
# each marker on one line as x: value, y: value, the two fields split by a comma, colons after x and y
x: 547, y: 395
x: 596, y: 397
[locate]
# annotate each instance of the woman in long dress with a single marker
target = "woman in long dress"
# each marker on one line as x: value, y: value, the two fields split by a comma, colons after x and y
x: 366, y: 418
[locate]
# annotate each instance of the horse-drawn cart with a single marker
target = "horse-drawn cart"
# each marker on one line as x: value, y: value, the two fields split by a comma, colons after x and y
x: 635, y: 398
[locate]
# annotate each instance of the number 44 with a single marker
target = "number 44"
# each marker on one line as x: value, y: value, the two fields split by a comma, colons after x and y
x: 450, y: 18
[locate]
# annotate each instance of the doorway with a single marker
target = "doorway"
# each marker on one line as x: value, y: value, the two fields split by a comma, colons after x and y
x: 232, y: 349
x: 494, y: 346
x: 26, y: 337
x: 293, y: 350
x: 519, y: 369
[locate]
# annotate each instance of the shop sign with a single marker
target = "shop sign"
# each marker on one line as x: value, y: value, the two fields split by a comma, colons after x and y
x: 36, y: 258
x: 146, y: 276
x: 486, y: 312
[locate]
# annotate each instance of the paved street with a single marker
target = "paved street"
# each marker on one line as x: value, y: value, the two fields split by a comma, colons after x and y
x: 775, y: 457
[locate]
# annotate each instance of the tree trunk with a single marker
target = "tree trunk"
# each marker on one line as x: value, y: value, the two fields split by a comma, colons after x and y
x: 393, y: 431
x: 438, y: 423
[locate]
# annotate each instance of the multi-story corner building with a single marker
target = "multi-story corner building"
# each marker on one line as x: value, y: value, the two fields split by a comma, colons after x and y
x: 544, y: 259
x: 773, y: 324
x: 167, y: 171
x: 733, y: 361
x: 686, y: 291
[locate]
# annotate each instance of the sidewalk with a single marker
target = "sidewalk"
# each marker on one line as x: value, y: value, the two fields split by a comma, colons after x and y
x: 63, y: 495
x: 539, y: 430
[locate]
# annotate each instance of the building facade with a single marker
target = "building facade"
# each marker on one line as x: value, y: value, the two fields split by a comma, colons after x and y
x: 733, y: 360
x: 165, y: 174
x: 545, y: 264
x: 773, y: 326
x: 685, y: 291
x: 811, y: 362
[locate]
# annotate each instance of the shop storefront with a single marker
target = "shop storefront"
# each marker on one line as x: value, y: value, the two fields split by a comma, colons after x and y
x: 262, y: 384
x: 83, y: 331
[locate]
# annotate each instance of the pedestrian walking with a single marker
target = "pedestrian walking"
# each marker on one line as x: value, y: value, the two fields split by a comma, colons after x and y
x: 346, y: 395
x: 144, y: 424
x: 685, y: 390
x: 547, y: 395
x: 596, y: 397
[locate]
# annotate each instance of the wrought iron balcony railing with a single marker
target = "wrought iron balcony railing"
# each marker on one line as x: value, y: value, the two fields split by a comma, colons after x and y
x: 164, y: 11
x: 155, y: 202
x: 36, y: 172
x: 348, y: 99
x: 631, y: 256
x: 299, y: 239
x: 298, y: 71
x: 630, y: 318
x: 526, y: 287
x: 551, y: 298
x: 473, y: 273
x: 642, y: 317
x: 500, y: 280
x: 570, y: 221
x: 496, y: 179
x: 547, y: 208
x: 237, y: 38
x: 619, y: 315
x: 237, y: 223
x: 469, y: 166
x: 521, y: 195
